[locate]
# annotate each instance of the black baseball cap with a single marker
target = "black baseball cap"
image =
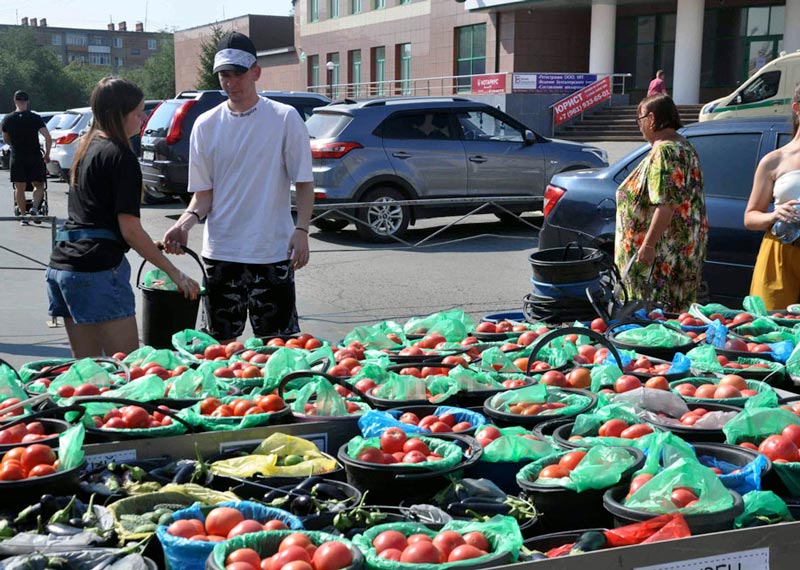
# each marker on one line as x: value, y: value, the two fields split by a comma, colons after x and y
x: 21, y: 96
x: 235, y: 52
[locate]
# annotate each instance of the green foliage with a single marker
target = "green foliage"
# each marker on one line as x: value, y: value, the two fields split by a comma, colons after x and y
x: 207, y: 79
x: 157, y: 76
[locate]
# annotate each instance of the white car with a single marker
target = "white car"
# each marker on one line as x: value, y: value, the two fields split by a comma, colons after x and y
x: 65, y: 128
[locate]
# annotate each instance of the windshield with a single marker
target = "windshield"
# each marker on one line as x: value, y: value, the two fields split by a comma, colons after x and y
x: 63, y: 121
x: 326, y: 125
x: 158, y: 123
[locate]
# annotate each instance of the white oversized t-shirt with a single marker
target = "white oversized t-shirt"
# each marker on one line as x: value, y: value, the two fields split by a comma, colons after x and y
x: 249, y: 160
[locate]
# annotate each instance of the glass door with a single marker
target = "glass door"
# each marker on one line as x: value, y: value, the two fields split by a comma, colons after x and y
x: 760, y: 51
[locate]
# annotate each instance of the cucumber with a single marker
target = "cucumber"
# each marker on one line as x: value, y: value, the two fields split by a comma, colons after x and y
x: 145, y: 528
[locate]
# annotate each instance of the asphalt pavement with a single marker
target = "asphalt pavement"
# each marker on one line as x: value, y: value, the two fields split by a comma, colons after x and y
x: 479, y: 265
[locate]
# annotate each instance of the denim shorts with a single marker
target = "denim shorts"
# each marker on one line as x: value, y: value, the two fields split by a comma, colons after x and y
x: 91, y: 297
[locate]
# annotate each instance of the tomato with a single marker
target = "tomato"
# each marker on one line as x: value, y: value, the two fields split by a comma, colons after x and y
x: 244, y: 527
x: 486, y: 327
x: 422, y: 552
x: 792, y: 431
x: 416, y: 444
x: 705, y: 391
x: 186, y: 528
x: 521, y: 363
x: 370, y: 454
x: 446, y: 541
x: 478, y: 540
x: 270, y: 403
x: 221, y: 520
x: 742, y: 318
x: 749, y: 445
x: 571, y: 459
x: 414, y: 456
x: 489, y: 432
x: 37, y: 454
x: 135, y: 417
x: 462, y: 426
x: 554, y: 471
x: 419, y: 537
x: 312, y: 343
x: 42, y: 470
x: 554, y: 378
x: 275, y: 524
x: 389, y: 539
x: 657, y: 383
x: 727, y: 391
x: 393, y: 440
x: 638, y: 481
x: 289, y: 554
x: 636, y: 431
x: 626, y: 383
x: 11, y: 471
x: 579, y: 378
x: 213, y: 351
x: 294, y: 539
x: 246, y: 555
x: 332, y: 555
x: 598, y: 325
x: 612, y: 428
x: 682, y: 496
x: 776, y: 447
x: 465, y: 552
x: 391, y: 554
x: 296, y: 565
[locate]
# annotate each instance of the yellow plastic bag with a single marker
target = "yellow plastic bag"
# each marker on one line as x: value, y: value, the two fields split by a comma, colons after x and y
x: 266, y: 457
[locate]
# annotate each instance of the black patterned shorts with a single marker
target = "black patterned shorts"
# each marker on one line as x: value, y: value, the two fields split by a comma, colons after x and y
x: 265, y: 291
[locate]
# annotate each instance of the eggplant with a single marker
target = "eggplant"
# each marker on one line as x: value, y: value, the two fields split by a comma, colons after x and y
x: 467, y: 508
x: 589, y: 541
x: 326, y: 491
x: 302, y: 505
x: 184, y: 472
x: 309, y: 483
x: 59, y: 529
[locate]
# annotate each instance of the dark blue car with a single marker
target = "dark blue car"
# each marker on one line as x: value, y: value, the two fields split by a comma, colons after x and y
x: 581, y: 206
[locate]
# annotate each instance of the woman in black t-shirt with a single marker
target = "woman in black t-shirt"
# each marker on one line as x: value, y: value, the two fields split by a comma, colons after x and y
x: 88, y: 279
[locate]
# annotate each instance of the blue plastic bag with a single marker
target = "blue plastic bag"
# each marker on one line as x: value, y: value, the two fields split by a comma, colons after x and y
x: 184, y: 554
x: 374, y: 422
x: 747, y: 479
x: 717, y: 334
x: 680, y: 364
x: 781, y: 351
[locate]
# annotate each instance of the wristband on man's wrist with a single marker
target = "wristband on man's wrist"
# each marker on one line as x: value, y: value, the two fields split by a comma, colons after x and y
x: 194, y: 213
x: 301, y: 229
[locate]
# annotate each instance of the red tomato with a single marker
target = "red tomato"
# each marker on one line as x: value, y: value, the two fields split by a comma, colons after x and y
x: 682, y: 496
x: 135, y: 417
x: 37, y: 454
x: 440, y: 427
x: 11, y: 471
x: 598, y: 325
x: 486, y: 327
x: 612, y: 428
x: 246, y: 555
x: 370, y: 454
x: 332, y: 555
x: 626, y: 382
x: 657, y: 383
x: 555, y: 471
x: 42, y: 470
x: 414, y: 456
x: 389, y: 539
x: 393, y: 440
x: 296, y: 565
x: 686, y: 389
x: 220, y: 521
x: 554, y: 378
x: 244, y: 527
x: 416, y: 444
x: 242, y: 566
x: 636, y: 431
x: 446, y: 541
x: 391, y: 554
x: 727, y: 391
x: 705, y: 391
x: 777, y: 447
x: 294, y: 539
x: 478, y: 540
x: 275, y: 524
x: 422, y: 552
x: 186, y: 528
x: 412, y: 538
x: 579, y: 378
x: 465, y: 552
x: 289, y: 554
x: 638, y: 481
x: 571, y: 459
x: 792, y: 431
x: 462, y: 426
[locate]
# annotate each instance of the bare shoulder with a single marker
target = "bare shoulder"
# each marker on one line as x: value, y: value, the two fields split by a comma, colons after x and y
x: 771, y: 163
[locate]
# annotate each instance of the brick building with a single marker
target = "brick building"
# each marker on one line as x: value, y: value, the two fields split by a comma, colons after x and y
x: 115, y: 46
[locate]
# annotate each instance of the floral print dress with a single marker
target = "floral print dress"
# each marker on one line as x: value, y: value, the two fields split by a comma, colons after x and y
x: 669, y: 174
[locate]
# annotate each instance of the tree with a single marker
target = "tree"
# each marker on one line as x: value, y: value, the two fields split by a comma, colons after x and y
x: 207, y: 79
x: 157, y: 76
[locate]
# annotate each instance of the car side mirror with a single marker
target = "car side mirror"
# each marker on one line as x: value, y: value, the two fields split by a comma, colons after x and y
x: 530, y: 138
x: 737, y: 100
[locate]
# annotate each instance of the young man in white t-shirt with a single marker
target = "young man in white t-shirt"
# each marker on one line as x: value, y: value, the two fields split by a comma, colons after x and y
x: 244, y: 154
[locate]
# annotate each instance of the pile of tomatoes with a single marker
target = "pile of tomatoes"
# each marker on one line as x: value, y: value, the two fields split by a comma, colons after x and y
x: 24, y: 433
x: 444, y: 423
x: 221, y: 524
x: 133, y: 417
x: 446, y: 546
x: 36, y: 460
x: 240, y: 369
x: 680, y: 496
x: 620, y: 428
x: 566, y: 464
x: 295, y: 552
x: 534, y: 408
x: 729, y: 386
x: 575, y: 378
x: 739, y: 345
x: 780, y: 448
x: 488, y: 434
x: 397, y: 447
x: 317, y: 409
x: 239, y: 407
x: 7, y: 403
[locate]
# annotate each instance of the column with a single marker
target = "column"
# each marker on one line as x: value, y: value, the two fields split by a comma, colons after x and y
x: 688, y: 52
x: 603, y: 33
x: 791, y: 31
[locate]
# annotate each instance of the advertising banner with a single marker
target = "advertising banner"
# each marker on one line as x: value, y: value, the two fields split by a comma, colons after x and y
x: 579, y: 102
x: 492, y: 83
x: 550, y: 82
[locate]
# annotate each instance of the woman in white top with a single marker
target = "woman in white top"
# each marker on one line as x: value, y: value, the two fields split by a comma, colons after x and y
x: 776, y: 275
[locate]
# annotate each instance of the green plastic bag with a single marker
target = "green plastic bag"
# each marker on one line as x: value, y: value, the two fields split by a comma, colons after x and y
x: 759, y: 326
x: 512, y: 447
x: 144, y: 389
x: 10, y: 386
x: 765, y: 399
x: 754, y: 424
x: 402, y: 387
x: 158, y: 279
x: 555, y: 356
x: 708, y: 310
x: 539, y: 394
x: 662, y: 448
x: 85, y: 371
x: 376, y: 336
x: 762, y: 508
x: 287, y: 360
x: 163, y: 356
x: 450, y: 452
x: 604, y: 375
x: 754, y: 305
x: 712, y: 496
x: 70, y: 448
x: 588, y: 424
x: 653, y: 335
x: 322, y: 394
x: 193, y: 416
x: 196, y: 384
x: 470, y: 380
x: 266, y: 544
x: 189, y: 342
x: 505, y: 541
x: 601, y: 467
x: 495, y: 360
x: 454, y: 325
x: 30, y: 369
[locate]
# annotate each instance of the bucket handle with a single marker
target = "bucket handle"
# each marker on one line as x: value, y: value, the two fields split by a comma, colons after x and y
x: 332, y: 379
x: 47, y: 370
x: 186, y: 250
x: 552, y: 335
x: 474, y: 448
x: 577, y: 245
x: 149, y: 406
x: 46, y: 413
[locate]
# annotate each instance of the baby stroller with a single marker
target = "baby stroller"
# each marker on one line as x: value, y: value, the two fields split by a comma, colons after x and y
x: 43, y: 208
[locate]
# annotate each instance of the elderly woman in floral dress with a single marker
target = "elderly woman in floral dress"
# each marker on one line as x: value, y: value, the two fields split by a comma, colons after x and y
x: 661, y: 213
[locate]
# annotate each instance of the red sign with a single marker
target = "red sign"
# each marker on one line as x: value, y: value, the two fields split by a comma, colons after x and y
x: 582, y: 100
x: 494, y: 83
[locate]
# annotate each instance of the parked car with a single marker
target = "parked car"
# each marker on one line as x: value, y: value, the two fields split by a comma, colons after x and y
x: 165, y: 137
x: 65, y: 130
x: 386, y: 150
x: 5, y: 149
x: 581, y: 206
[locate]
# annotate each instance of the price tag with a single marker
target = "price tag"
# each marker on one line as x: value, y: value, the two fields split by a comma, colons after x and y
x: 756, y: 559
x: 101, y: 459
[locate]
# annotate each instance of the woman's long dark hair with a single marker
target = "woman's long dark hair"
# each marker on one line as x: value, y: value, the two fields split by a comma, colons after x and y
x: 112, y: 98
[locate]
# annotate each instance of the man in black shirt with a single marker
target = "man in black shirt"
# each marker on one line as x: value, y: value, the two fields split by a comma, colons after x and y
x: 21, y: 131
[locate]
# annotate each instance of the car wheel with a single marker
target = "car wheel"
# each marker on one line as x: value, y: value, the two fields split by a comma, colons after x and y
x: 384, y: 220
x: 330, y: 224
x: 63, y: 175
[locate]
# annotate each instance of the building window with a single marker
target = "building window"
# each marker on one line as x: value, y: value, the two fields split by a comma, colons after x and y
x: 313, y: 10
x: 79, y: 57
x: 77, y: 40
x: 117, y: 42
x: 401, y: 2
x: 99, y: 41
x: 313, y: 71
x: 470, y: 54
x: 56, y: 39
x: 380, y: 4
x: 334, y: 9
x: 135, y: 51
x: 152, y: 44
x: 404, y: 68
x: 99, y: 59
x: 355, y: 6
x: 379, y: 70
x: 355, y: 73
x: 119, y: 62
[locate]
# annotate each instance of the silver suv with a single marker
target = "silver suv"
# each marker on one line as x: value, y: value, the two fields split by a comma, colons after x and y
x: 385, y: 150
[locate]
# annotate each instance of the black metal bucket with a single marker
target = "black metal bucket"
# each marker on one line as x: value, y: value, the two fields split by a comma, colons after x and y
x: 570, y: 264
x: 166, y: 312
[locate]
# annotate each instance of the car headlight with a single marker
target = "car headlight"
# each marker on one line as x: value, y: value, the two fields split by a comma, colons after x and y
x: 598, y: 152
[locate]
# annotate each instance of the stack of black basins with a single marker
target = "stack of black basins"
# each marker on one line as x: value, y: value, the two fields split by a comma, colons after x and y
x: 562, y: 277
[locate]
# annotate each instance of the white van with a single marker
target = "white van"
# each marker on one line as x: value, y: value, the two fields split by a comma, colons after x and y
x: 768, y: 92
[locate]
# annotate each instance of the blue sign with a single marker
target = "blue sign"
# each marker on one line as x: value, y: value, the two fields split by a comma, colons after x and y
x: 550, y: 82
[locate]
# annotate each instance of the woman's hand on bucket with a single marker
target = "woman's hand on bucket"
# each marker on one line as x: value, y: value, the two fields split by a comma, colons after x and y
x: 188, y: 286
x: 175, y: 238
